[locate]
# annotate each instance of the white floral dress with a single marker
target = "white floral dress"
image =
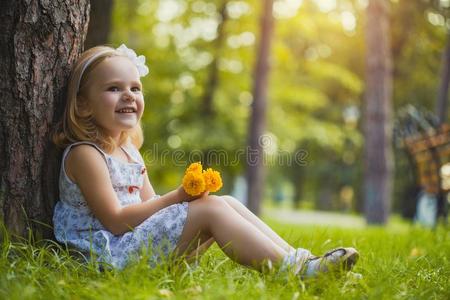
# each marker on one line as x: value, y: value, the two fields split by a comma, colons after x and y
x: 76, y: 226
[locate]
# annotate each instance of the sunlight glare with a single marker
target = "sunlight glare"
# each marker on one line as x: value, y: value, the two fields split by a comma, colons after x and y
x: 206, y: 28
x: 231, y: 65
x: 284, y: 9
x: 169, y: 10
x: 246, y: 98
x: 348, y: 21
x: 241, y: 40
x: 162, y: 33
x: 174, y: 141
x: 326, y: 5
x: 198, y: 6
x: 351, y: 114
x: 186, y: 81
x: 236, y: 9
x: 203, y: 7
x: 444, y: 3
x: 363, y: 4
x: 435, y: 19
x: 195, y: 60
x: 269, y: 143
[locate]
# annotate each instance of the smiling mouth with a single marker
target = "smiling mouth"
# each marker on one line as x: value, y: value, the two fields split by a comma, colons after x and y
x: 126, y: 110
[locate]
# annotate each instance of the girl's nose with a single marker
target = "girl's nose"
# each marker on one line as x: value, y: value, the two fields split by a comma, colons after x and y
x: 128, y: 96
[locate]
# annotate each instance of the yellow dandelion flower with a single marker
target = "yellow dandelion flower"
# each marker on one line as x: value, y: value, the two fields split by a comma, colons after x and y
x: 193, y: 183
x: 213, y: 181
x: 195, y: 167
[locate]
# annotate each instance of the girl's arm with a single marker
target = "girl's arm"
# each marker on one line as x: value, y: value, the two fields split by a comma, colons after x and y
x: 88, y: 169
x: 147, y: 190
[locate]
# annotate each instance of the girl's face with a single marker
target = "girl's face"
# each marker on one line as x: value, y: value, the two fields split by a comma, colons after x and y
x: 114, y: 95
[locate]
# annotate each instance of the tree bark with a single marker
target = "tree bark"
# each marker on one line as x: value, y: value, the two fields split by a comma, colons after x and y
x: 442, y: 100
x: 40, y: 42
x: 99, y: 24
x: 255, y: 158
x: 378, y: 115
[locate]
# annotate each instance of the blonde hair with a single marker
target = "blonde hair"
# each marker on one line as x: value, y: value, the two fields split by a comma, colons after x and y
x: 77, y: 123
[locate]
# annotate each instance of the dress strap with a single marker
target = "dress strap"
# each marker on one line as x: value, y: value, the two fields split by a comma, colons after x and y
x: 132, y: 152
x: 68, y: 148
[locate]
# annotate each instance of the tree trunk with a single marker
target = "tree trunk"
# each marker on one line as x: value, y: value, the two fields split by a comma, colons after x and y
x: 255, y: 170
x: 99, y: 24
x: 213, y: 78
x: 39, y: 43
x: 378, y: 119
x: 212, y: 82
x: 442, y: 100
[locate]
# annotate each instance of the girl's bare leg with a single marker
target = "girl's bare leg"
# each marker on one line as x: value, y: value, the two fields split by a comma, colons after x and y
x: 210, y: 216
x: 257, y: 222
x: 249, y: 216
x: 200, y: 250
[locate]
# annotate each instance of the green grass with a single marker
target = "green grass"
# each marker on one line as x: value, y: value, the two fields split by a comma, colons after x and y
x: 396, y: 263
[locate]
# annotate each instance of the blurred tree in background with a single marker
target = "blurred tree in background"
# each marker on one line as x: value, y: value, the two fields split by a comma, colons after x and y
x: 199, y: 92
x: 99, y: 26
x: 257, y: 120
x: 378, y: 128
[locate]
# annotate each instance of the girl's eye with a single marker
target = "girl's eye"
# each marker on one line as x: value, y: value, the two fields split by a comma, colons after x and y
x: 136, y: 89
x: 113, y: 89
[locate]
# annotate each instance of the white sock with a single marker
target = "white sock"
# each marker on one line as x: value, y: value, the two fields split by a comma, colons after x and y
x: 295, y: 260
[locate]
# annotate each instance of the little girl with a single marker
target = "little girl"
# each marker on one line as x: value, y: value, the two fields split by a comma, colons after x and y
x: 107, y: 205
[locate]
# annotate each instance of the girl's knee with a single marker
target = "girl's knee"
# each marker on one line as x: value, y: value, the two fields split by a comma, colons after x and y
x: 212, y: 204
x: 230, y: 199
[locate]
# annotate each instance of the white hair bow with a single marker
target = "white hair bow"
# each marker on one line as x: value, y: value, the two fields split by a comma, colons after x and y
x: 139, y: 61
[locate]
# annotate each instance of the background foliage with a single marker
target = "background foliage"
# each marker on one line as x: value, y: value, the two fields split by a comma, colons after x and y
x: 316, y: 88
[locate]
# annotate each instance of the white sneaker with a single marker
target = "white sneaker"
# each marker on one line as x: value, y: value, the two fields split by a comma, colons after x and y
x: 339, y: 259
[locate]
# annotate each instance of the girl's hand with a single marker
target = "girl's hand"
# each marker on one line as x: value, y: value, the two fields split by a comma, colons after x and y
x: 183, y: 196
